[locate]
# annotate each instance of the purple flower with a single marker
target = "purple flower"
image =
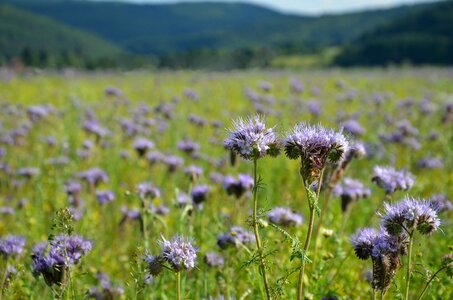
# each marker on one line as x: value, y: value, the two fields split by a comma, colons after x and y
x: 353, y: 127
x: 179, y: 253
x: 410, y: 214
x: 173, y: 162
x: 93, y: 127
x: 213, y: 259
x: 284, y: 216
x: 441, y: 203
x: 430, y: 163
x: 392, y: 180
x: 94, y: 176
x: 200, y: 193
x: 239, y: 186
x: 193, y: 172
x: 155, y: 264
x: 314, y: 145
x: 73, y: 188
x: 63, y: 252
x: 11, y: 245
x: 155, y: 157
x: 350, y: 190
x: 250, y: 139
x: 147, y: 190
x: 363, y: 242
x: 197, y: 120
x: 141, y: 145
x: 188, y: 146
x: 27, y: 172
x: 235, y: 236
x: 105, y: 197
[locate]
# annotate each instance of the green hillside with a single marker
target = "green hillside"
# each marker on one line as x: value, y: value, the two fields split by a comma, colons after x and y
x: 161, y: 29
x: 36, y: 37
x: 424, y: 37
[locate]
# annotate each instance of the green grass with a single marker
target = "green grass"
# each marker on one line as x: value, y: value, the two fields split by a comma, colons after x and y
x: 221, y: 98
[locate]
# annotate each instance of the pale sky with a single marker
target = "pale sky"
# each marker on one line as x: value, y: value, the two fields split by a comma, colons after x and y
x: 305, y: 6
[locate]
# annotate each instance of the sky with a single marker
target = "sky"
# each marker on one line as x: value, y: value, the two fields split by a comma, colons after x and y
x: 306, y: 6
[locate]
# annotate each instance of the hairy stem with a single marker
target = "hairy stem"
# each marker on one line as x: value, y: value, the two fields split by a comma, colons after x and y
x: 178, y: 283
x: 300, y: 283
x: 256, y: 231
x: 429, y: 282
x: 409, y: 267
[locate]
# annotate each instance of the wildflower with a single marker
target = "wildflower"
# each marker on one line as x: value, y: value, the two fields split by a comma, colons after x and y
x: 141, y: 145
x: 94, y: 176
x: 349, y: 191
x: 239, y: 186
x: 199, y: 193
x: 284, y: 216
x: 315, y: 145
x: 147, y: 190
x: 193, y: 172
x: 64, y: 251
x: 235, y: 236
x: 155, y: 264
x: 213, y: 259
x: 173, y: 162
x: 441, y: 203
x: 410, y: 214
x: 188, y: 146
x: 251, y: 140
x: 11, y: 245
x: 179, y: 253
x: 430, y: 163
x: 107, y: 290
x: 392, y: 180
x: 353, y: 127
x: 105, y: 197
x: 27, y: 172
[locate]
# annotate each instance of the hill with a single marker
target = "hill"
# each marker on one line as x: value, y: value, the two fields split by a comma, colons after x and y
x: 39, y: 38
x: 424, y: 37
x: 171, y: 28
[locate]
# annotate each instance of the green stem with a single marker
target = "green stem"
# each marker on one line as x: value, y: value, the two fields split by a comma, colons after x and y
x: 300, y: 283
x: 3, y: 278
x: 144, y: 222
x: 374, y: 294
x: 429, y: 282
x: 178, y: 279
x: 256, y: 231
x: 408, y: 267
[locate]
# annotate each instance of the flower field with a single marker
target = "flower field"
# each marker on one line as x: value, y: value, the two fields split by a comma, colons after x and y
x: 330, y: 184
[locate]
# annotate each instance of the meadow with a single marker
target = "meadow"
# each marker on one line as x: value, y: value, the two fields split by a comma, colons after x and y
x: 125, y: 160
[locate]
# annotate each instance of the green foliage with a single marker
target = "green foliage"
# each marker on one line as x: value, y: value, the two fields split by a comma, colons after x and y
x: 424, y: 37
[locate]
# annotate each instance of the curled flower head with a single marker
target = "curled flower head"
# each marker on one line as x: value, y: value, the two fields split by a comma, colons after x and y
x: 392, y: 180
x: 350, y: 190
x: 179, y: 253
x: 410, y: 214
x: 315, y: 145
x: 239, y: 186
x: 11, y: 245
x: 250, y: 139
x: 284, y: 216
x: 363, y: 242
x: 234, y: 237
x: 155, y: 264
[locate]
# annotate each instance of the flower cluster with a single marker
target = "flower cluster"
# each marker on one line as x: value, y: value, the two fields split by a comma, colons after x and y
x: 63, y: 251
x: 235, y: 236
x: 315, y: 145
x: 179, y: 253
x: 239, y: 186
x: 410, y: 214
x: 250, y: 139
x: 392, y: 180
x: 384, y: 250
x: 350, y: 190
x: 284, y: 216
x: 11, y: 245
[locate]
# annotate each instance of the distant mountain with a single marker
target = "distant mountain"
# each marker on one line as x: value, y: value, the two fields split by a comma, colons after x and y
x: 28, y: 34
x: 424, y: 37
x: 171, y: 28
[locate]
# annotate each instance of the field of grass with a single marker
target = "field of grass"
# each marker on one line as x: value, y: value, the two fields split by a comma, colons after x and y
x: 168, y: 107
